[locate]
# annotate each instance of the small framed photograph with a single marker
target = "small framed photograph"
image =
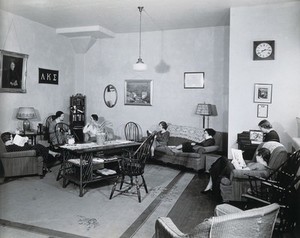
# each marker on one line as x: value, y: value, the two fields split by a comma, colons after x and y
x: 13, y: 72
x: 194, y: 80
x: 138, y: 92
x: 263, y: 93
x: 262, y: 110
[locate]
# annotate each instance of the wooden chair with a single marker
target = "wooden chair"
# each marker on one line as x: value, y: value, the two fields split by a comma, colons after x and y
x: 133, y: 131
x: 279, y: 187
x: 133, y: 166
x: 228, y: 221
x: 48, y: 121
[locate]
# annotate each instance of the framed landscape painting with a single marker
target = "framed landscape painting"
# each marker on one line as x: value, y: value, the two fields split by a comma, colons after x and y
x: 13, y: 72
x: 138, y: 92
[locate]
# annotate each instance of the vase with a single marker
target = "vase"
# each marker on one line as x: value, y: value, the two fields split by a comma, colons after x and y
x: 101, y: 138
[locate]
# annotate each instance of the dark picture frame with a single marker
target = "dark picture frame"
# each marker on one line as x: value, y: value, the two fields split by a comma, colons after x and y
x: 194, y: 80
x: 263, y: 93
x: 262, y: 110
x: 13, y: 72
x: 138, y: 92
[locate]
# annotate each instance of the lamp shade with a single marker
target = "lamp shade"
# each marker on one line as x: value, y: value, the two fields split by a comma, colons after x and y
x: 26, y: 113
x: 140, y: 65
x: 204, y: 109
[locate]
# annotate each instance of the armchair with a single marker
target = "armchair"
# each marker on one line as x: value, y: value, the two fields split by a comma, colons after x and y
x: 228, y: 221
x: 238, y: 184
x: 20, y: 163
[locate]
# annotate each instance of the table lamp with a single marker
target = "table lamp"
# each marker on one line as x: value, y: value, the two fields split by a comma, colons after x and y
x: 204, y: 110
x: 25, y: 113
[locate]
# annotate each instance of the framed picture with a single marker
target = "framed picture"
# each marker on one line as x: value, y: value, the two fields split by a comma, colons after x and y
x: 262, y: 110
x: 13, y: 72
x: 194, y: 80
x: 256, y: 137
x: 138, y: 92
x: 263, y: 93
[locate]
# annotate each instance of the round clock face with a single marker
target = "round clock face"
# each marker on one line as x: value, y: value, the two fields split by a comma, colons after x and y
x: 263, y: 50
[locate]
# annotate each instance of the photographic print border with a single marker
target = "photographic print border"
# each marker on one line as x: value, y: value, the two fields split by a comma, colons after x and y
x: 20, y: 60
x: 263, y: 93
x: 194, y: 80
x: 138, y: 92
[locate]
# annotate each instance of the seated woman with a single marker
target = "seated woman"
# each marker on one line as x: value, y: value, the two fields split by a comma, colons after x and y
x: 161, y: 137
x: 208, y: 140
x: 223, y: 167
x: 90, y: 129
x: 269, y: 133
x: 49, y: 157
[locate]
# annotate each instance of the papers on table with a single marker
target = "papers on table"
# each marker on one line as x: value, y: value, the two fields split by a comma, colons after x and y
x: 91, y: 145
x: 106, y: 171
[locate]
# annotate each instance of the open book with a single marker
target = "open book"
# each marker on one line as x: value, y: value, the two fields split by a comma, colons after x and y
x: 238, y: 160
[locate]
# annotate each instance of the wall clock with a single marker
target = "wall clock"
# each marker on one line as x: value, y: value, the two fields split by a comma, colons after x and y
x: 264, y: 50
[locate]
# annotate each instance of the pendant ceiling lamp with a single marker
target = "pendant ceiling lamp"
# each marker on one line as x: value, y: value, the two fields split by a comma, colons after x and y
x: 140, y: 65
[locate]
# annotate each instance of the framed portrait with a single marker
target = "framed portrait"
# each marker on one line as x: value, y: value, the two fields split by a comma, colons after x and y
x: 194, y: 80
x: 13, y: 72
x: 262, y: 93
x: 138, y: 92
x: 262, y: 110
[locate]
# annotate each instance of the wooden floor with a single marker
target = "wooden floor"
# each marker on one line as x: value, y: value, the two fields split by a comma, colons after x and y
x: 193, y: 207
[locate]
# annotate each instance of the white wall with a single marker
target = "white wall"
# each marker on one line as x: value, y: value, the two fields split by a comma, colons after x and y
x: 271, y: 22
x: 168, y: 55
x: 46, y: 50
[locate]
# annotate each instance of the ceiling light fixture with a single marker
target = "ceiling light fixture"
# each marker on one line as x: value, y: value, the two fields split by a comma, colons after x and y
x: 140, y: 65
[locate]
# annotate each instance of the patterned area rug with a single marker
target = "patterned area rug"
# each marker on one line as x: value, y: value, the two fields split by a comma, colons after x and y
x: 42, y: 208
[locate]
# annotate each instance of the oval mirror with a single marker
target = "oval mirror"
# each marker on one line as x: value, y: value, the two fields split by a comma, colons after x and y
x: 110, y: 95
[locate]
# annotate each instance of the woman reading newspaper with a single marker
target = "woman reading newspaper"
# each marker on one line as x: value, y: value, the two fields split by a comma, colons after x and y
x: 223, y: 167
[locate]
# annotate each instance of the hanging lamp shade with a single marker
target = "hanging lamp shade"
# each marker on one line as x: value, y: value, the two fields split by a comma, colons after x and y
x: 140, y: 65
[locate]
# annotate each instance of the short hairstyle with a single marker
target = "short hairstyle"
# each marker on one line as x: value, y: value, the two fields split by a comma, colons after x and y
x: 265, y: 124
x: 58, y: 114
x: 163, y: 124
x: 95, y: 117
x: 5, y: 136
x: 210, y: 131
x: 265, y: 154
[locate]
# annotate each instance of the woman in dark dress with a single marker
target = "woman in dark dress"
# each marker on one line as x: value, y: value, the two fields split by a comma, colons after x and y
x: 269, y: 134
x: 161, y: 137
x: 208, y: 140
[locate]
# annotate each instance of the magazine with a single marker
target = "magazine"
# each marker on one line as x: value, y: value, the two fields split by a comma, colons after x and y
x: 238, y: 160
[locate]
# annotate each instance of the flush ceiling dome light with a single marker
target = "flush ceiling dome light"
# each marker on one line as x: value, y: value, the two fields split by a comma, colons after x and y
x: 140, y: 65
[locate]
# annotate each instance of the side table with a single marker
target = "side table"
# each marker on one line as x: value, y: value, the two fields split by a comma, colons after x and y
x: 31, y: 135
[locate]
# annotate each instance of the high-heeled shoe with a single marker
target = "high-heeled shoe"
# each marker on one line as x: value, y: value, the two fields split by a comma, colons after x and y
x: 206, y: 191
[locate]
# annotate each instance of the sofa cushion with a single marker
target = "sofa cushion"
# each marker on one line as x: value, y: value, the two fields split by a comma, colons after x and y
x: 190, y: 133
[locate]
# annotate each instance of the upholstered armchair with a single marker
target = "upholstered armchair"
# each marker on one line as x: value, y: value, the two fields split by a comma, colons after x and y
x: 233, y: 188
x: 228, y: 221
x: 19, y: 163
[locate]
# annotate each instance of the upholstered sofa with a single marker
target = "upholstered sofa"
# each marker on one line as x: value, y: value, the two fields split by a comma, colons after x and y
x: 193, y: 160
x: 233, y: 188
x: 19, y: 163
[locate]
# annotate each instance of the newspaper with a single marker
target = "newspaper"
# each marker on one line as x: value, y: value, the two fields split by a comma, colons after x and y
x: 238, y: 160
x: 19, y: 140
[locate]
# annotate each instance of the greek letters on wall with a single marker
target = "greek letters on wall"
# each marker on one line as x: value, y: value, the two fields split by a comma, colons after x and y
x: 48, y: 76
